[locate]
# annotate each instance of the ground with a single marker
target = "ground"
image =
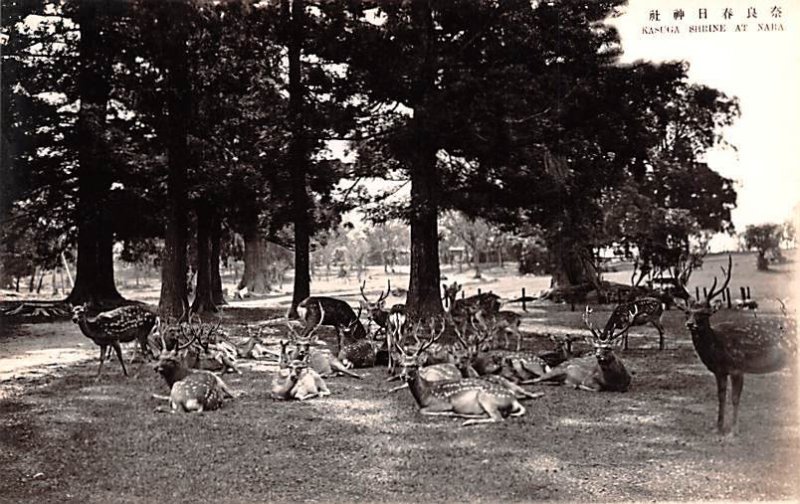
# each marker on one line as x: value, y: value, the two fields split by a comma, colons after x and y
x: 66, y: 438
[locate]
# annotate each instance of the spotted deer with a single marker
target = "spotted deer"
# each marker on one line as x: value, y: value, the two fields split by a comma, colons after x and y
x: 602, y: 371
x: 747, y: 345
x: 190, y: 389
x: 478, y: 401
x: 649, y: 310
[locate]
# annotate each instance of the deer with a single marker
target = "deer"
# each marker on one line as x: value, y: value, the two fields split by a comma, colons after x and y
x: 298, y: 381
x: 121, y: 325
x: 322, y: 361
x: 733, y: 349
x: 191, y: 390
x: 431, y: 372
x: 602, y: 371
x: 476, y: 400
x: 472, y: 343
x: 391, y: 321
x: 321, y: 310
x: 649, y: 310
x: 563, y: 349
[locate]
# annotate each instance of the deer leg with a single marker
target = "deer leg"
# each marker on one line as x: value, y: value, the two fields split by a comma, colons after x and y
x: 102, y: 360
x: 660, y: 329
x: 490, y: 407
x: 625, y: 340
x: 118, y: 351
x: 519, y: 338
x: 737, y: 383
x: 722, y: 392
x: 224, y: 387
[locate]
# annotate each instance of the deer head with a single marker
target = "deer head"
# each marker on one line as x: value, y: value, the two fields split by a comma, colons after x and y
x: 450, y: 293
x: 603, y: 341
x: 409, y: 362
x: 378, y: 305
x: 698, y: 313
x: 473, y: 335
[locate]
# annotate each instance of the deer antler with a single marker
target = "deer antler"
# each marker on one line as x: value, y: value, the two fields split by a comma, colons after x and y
x: 433, y: 336
x: 589, y: 324
x: 712, y: 293
x: 381, y: 297
x: 310, y: 335
x: 192, y: 338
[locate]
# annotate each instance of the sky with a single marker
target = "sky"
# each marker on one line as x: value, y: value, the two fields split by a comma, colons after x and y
x: 761, y: 68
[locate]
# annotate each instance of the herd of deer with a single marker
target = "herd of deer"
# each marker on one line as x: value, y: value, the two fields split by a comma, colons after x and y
x: 452, y: 365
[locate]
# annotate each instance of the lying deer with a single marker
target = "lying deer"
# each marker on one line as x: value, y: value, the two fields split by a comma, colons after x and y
x: 732, y: 349
x: 601, y: 372
x: 322, y: 361
x: 439, y: 371
x: 477, y: 400
x: 298, y: 381
x: 472, y: 365
x: 190, y: 389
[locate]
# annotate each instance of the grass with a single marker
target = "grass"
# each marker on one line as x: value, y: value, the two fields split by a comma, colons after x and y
x: 68, y: 438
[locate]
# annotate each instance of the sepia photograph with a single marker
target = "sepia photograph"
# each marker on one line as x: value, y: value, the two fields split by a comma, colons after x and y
x: 399, y: 251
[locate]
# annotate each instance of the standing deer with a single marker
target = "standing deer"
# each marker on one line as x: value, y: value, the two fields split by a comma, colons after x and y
x: 321, y: 310
x: 649, y: 310
x: 732, y: 349
x: 601, y: 372
x: 479, y: 401
x: 113, y: 327
x: 391, y: 322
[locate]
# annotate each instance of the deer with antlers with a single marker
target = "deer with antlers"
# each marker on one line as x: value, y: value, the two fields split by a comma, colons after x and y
x: 391, y: 322
x: 191, y: 390
x: 321, y: 360
x: 478, y: 401
x: 473, y: 339
x: 732, y: 349
x: 602, y: 371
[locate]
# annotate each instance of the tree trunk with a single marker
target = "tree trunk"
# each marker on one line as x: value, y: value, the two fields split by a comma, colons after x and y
x: 424, y: 298
x: 94, y: 276
x: 174, y: 299
x: 762, y: 264
x: 203, y: 301
x: 32, y: 282
x: 568, y: 263
x: 298, y: 161
x: 256, y: 262
x: 216, y: 278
